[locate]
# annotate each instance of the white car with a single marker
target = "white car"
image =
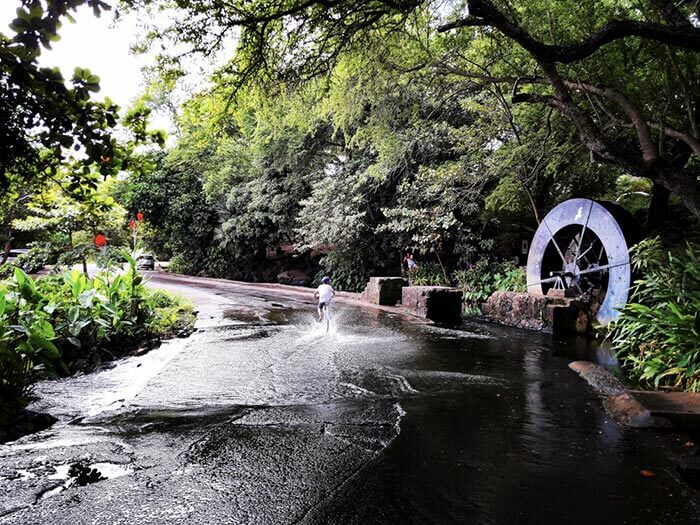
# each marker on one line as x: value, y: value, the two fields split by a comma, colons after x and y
x: 146, y: 261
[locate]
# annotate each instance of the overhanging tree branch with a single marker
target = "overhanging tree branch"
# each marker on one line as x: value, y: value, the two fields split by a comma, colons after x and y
x: 484, y: 13
x: 650, y: 152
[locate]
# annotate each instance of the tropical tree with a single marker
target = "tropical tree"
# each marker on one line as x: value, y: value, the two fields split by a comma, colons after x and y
x: 53, y: 210
x: 178, y: 219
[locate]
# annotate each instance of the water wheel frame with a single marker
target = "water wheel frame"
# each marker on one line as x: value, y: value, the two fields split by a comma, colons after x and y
x: 581, y: 246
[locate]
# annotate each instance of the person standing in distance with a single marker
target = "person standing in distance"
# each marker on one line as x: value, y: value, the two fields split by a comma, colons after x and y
x: 324, y: 293
x: 410, y: 265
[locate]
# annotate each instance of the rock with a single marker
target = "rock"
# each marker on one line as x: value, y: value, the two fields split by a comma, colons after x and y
x: 437, y: 303
x: 628, y: 411
x: 294, y: 277
x: 622, y: 406
x: 26, y: 422
x: 598, y: 377
x: 383, y: 290
x: 555, y: 315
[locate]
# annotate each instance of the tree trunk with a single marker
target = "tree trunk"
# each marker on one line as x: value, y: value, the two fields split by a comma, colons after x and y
x: 683, y: 185
x: 658, y: 206
x: 6, y: 253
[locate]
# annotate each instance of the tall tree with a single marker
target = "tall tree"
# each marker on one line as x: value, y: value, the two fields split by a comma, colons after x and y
x: 625, y: 75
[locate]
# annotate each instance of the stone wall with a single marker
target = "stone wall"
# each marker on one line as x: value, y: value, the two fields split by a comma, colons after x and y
x: 383, y: 290
x: 537, y: 312
x: 437, y: 303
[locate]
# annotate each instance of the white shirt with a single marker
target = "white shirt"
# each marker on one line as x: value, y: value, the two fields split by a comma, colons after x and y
x: 325, y: 293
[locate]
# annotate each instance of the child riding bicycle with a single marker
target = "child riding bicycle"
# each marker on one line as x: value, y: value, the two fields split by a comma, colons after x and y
x: 324, y: 293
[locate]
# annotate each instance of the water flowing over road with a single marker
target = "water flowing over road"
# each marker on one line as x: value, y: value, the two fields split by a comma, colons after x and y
x: 262, y: 417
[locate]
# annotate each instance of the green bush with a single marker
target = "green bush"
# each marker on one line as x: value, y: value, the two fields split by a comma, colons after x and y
x: 428, y: 274
x: 656, y: 337
x: 171, y: 314
x: 178, y: 264
x: 6, y: 270
x: 48, y: 325
x: 27, y: 348
x: 485, y: 277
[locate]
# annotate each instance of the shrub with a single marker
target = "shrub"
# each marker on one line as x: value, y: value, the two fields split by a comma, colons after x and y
x: 656, y: 335
x: 27, y: 348
x: 428, y: 274
x: 485, y: 277
x: 171, y: 314
x: 179, y: 264
x: 52, y: 323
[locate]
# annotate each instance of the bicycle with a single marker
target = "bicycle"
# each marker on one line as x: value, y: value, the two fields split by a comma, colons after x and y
x: 326, y: 313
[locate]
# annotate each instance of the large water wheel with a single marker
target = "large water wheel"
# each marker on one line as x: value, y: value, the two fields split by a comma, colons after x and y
x: 581, y: 248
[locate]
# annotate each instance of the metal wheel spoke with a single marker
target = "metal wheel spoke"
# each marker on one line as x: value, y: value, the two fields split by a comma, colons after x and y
x: 545, y: 281
x: 583, y: 233
x: 600, y: 269
x: 602, y: 251
x: 554, y: 242
x: 583, y: 255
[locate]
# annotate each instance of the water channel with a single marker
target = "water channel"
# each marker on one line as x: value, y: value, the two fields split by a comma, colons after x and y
x: 262, y: 417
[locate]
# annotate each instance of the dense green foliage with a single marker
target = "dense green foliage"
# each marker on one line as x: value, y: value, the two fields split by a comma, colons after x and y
x: 179, y: 222
x: 657, y: 334
x: 621, y: 74
x: 65, y: 323
x: 355, y: 169
x: 485, y: 277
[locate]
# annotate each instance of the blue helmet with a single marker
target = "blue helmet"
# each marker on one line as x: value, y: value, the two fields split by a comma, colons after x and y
x: 326, y: 280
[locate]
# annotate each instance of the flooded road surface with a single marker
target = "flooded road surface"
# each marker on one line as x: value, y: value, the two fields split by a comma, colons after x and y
x: 262, y: 417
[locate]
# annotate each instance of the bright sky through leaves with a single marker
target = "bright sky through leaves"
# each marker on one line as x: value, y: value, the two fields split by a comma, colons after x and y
x: 96, y: 44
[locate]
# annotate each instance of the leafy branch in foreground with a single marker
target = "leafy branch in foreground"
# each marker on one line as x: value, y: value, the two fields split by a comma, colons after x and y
x: 50, y: 123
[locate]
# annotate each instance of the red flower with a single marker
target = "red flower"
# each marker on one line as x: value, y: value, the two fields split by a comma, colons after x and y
x: 139, y: 217
x: 132, y: 224
x: 100, y: 240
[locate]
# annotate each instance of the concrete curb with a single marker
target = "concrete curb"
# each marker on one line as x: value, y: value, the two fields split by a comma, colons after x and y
x: 621, y: 405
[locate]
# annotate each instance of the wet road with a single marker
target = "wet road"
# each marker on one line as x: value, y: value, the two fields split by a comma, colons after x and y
x: 262, y: 417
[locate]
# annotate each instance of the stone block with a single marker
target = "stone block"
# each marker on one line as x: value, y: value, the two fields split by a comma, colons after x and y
x: 553, y: 315
x: 437, y: 303
x: 383, y: 290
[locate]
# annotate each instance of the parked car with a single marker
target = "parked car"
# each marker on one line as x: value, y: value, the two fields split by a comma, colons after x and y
x: 16, y: 252
x: 146, y: 261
